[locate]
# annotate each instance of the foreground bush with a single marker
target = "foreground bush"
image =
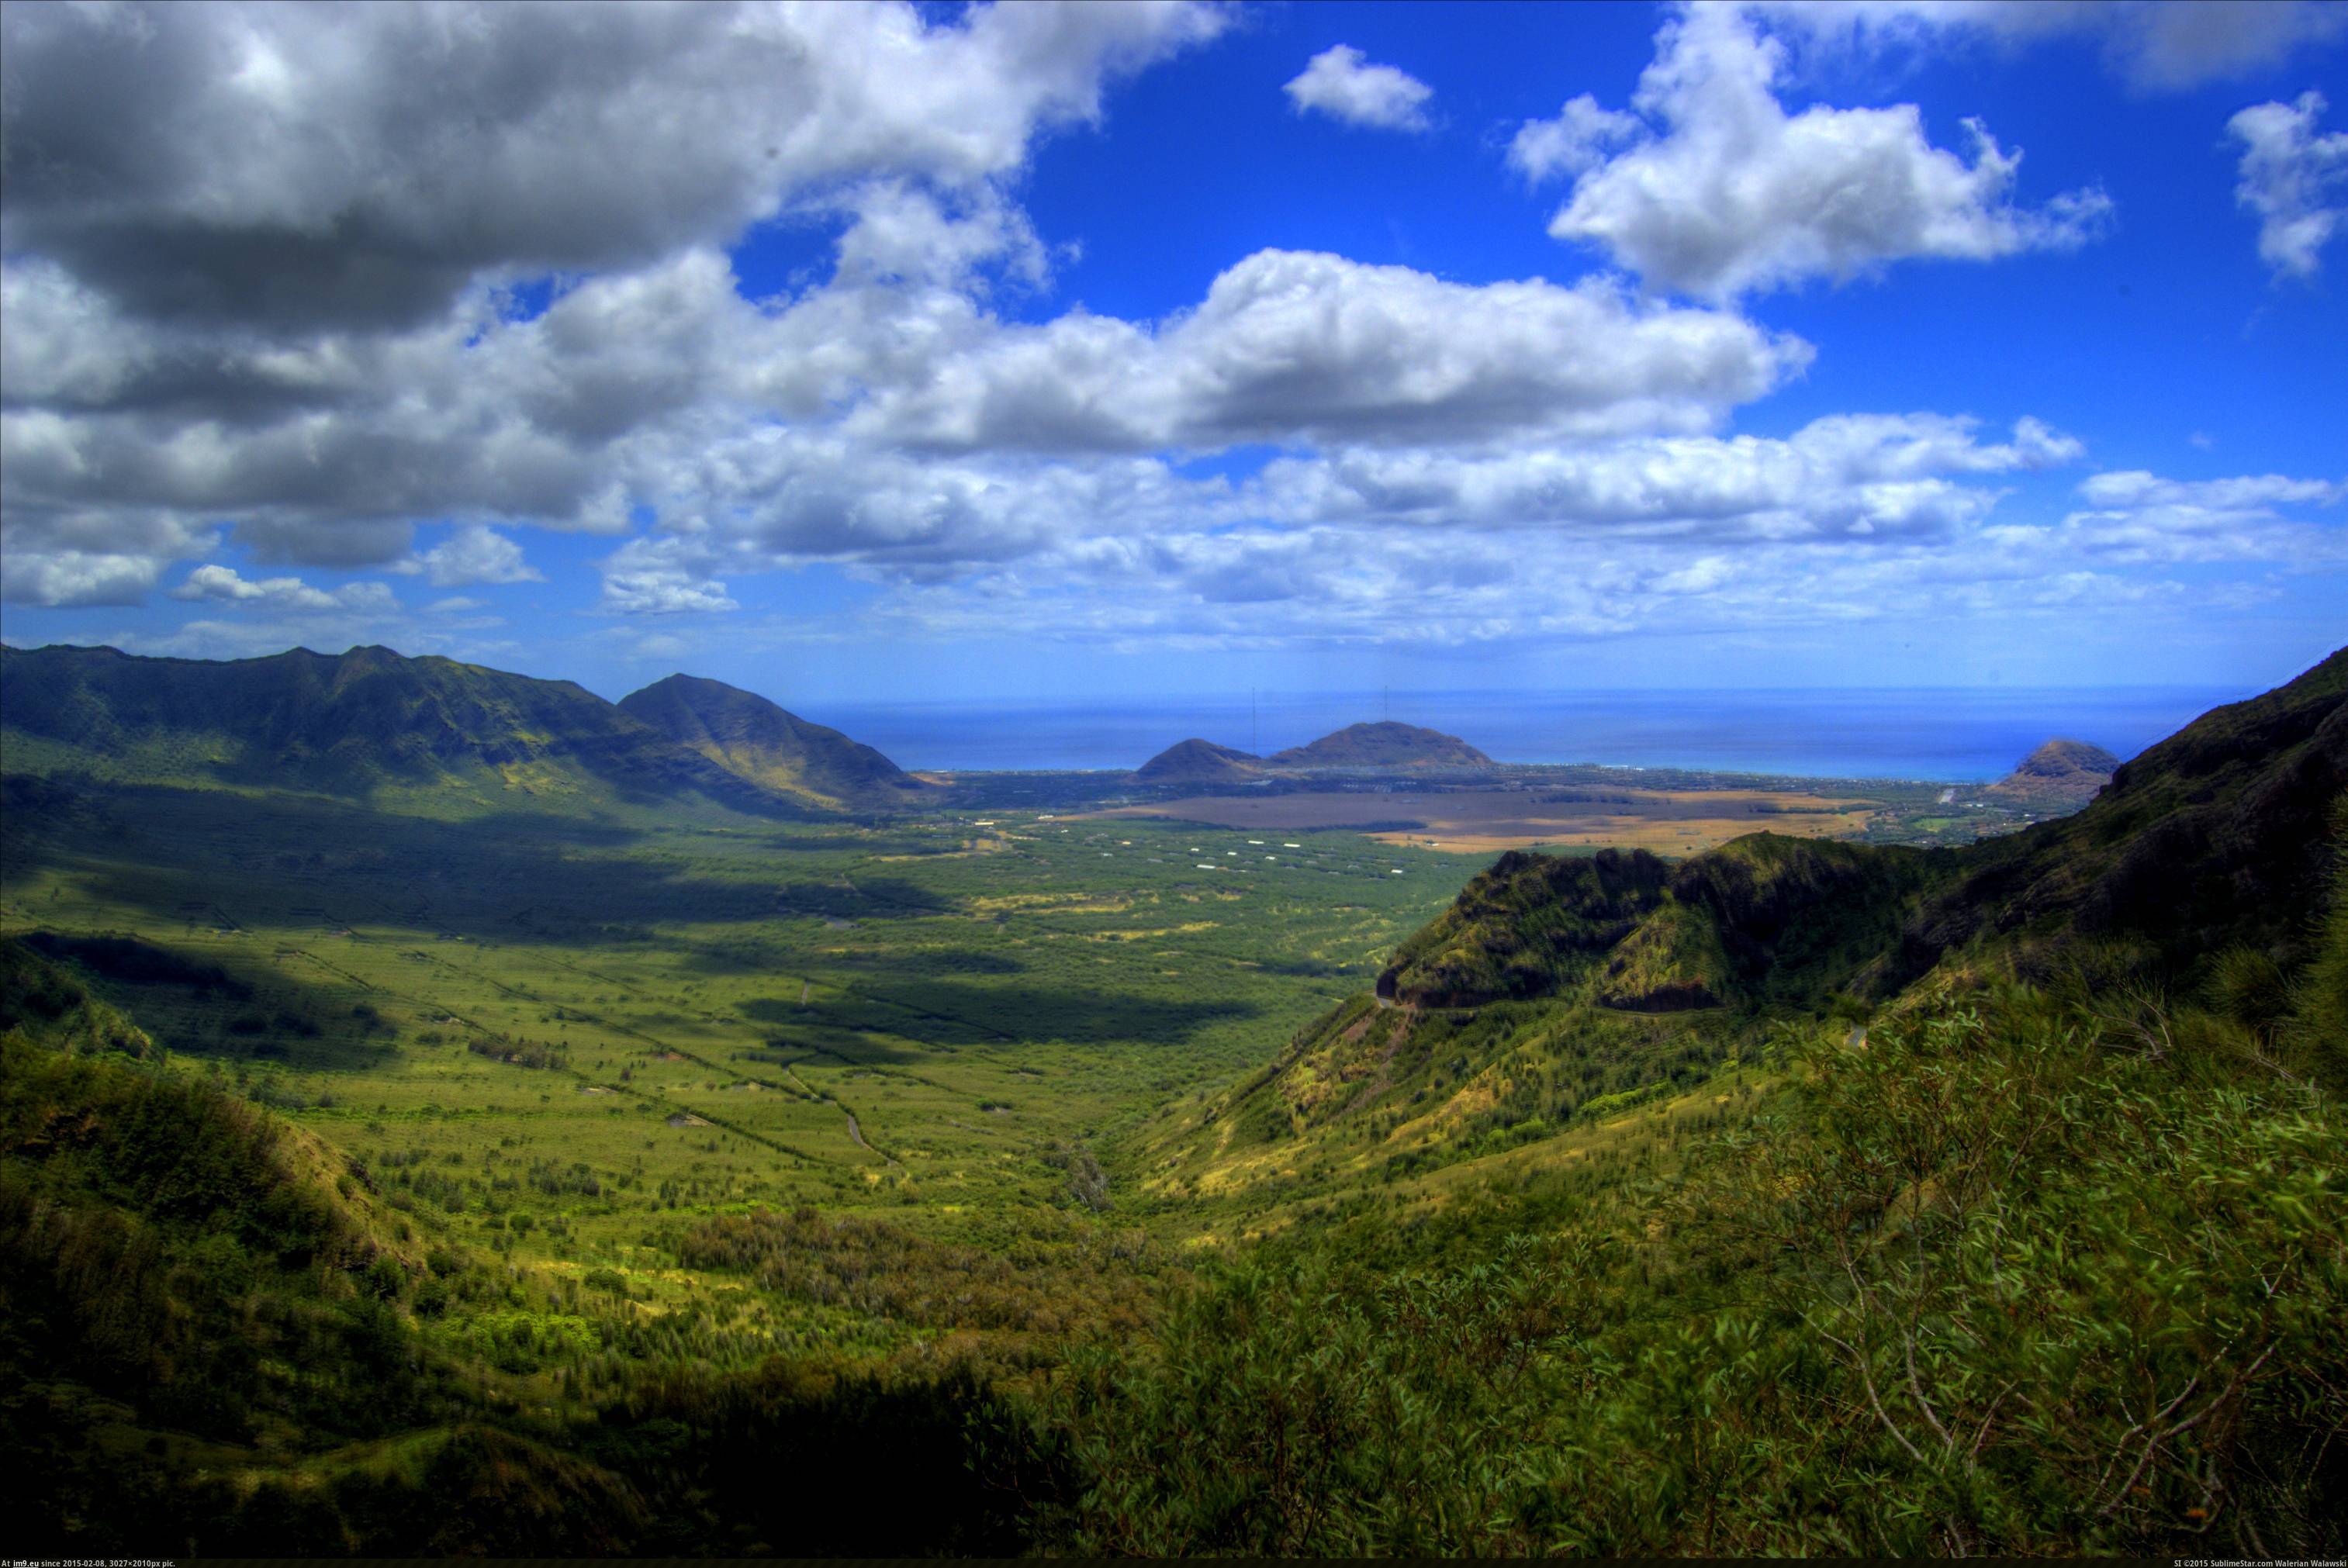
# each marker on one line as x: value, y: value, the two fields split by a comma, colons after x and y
x: 1994, y: 1279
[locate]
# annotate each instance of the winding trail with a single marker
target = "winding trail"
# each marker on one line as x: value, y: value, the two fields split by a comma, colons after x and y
x: 855, y: 1132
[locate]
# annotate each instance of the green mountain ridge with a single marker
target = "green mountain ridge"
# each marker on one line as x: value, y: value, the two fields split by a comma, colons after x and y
x: 2210, y: 837
x: 752, y: 738
x: 364, y: 722
x: 2217, y: 840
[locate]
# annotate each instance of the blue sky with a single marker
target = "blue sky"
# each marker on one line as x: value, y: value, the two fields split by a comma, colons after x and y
x: 865, y: 353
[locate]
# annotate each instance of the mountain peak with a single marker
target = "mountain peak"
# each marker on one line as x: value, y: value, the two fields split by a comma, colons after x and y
x: 1384, y: 745
x: 1195, y: 761
x: 2058, y: 758
x: 2064, y: 772
x: 754, y: 739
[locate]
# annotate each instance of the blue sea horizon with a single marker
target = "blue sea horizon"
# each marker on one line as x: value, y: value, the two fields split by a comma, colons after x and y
x: 1950, y: 735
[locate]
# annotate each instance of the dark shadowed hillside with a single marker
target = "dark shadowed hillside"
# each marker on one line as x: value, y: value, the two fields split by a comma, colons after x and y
x: 752, y: 738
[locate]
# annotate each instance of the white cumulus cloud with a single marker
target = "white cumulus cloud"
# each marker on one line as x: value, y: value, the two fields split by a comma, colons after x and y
x: 223, y: 584
x: 1576, y: 141
x: 1299, y: 345
x: 2293, y: 179
x: 2138, y: 516
x: 1342, y: 84
x: 472, y: 555
x: 1720, y: 191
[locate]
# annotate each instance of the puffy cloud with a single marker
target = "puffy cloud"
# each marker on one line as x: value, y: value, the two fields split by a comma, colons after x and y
x: 296, y: 166
x: 886, y: 418
x: 72, y: 576
x: 2295, y: 181
x: 1849, y: 477
x: 1294, y: 346
x: 1456, y: 462
x: 654, y: 576
x: 223, y: 584
x: 1255, y: 586
x: 322, y: 452
x: 64, y: 556
x: 474, y: 554
x: 1875, y: 519
x: 2137, y: 516
x: 556, y: 421
x: 1433, y: 541
x: 899, y: 234
x: 1341, y: 83
x: 1732, y: 194
x: 752, y: 502
x: 1578, y: 140
x: 2136, y: 488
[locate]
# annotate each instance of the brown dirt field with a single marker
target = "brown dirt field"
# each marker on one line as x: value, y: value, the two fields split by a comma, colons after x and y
x: 1485, y: 822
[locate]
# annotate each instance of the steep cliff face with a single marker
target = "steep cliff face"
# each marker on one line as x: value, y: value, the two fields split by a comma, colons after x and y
x: 1765, y: 917
x: 1527, y: 927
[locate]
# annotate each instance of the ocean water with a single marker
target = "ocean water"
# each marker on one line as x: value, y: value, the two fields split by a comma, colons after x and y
x: 1946, y: 734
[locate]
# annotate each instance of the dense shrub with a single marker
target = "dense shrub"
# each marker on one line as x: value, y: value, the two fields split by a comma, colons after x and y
x: 1995, y: 1281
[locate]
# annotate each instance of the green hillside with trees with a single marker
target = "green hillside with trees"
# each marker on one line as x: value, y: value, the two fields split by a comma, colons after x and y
x: 368, y: 1185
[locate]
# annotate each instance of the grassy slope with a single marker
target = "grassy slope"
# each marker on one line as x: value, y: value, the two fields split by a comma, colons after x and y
x: 1996, y: 1282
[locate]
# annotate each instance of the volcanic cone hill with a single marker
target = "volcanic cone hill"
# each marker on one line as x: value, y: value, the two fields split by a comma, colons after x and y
x: 753, y: 739
x: 2061, y: 773
x: 1199, y: 761
x: 1383, y: 745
